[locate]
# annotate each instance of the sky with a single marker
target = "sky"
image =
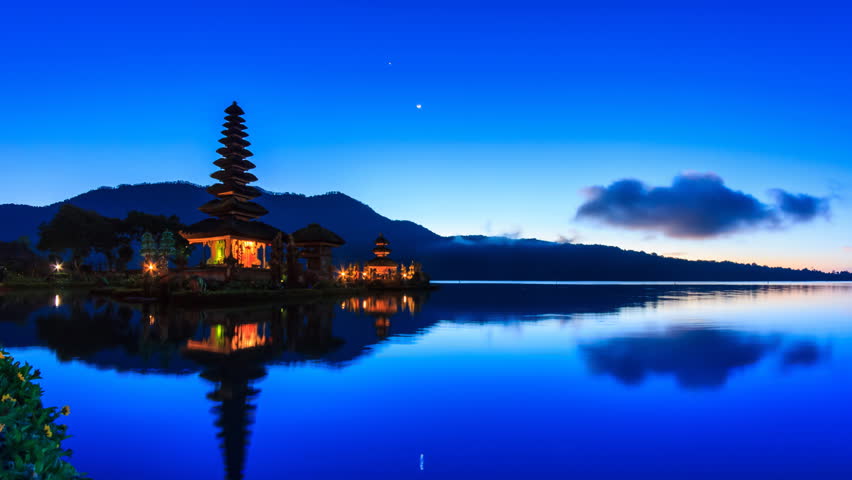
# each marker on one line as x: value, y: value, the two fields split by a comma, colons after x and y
x: 529, y: 112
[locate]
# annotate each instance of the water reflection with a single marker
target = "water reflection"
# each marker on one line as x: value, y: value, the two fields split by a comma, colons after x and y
x: 805, y: 354
x: 382, y: 306
x: 233, y: 348
x: 697, y: 358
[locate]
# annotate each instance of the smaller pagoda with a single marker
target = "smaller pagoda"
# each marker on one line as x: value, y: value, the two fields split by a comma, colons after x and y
x: 233, y: 236
x: 381, y: 267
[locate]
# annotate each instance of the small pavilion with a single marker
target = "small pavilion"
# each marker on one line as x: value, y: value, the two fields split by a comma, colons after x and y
x: 381, y: 267
x: 234, y: 231
x: 315, y: 244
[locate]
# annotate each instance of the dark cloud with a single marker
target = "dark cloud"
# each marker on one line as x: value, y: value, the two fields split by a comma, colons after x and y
x: 694, y: 206
x: 697, y: 358
x: 801, y: 207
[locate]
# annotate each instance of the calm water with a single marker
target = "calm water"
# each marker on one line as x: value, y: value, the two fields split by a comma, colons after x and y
x: 471, y: 381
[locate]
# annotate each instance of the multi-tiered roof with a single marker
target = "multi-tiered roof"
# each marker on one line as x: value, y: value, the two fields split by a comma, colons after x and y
x: 233, y: 193
x: 233, y: 206
x: 382, y: 252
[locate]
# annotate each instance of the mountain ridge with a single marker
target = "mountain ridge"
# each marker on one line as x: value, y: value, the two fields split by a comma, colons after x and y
x: 464, y: 257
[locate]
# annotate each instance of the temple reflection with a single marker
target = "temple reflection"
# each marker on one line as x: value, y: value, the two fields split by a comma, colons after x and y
x: 234, y: 347
x: 383, y: 306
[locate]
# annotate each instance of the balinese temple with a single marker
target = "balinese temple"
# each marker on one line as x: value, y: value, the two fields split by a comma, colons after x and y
x: 234, y: 230
x: 315, y: 245
x: 381, y: 267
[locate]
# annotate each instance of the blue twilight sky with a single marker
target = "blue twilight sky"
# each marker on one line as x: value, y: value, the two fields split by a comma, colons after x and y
x: 524, y: 106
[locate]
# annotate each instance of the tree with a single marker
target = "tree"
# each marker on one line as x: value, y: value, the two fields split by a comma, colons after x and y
x: 135, y: 224
x: 78, y: 232
x: 166, y: 250
x: 148, y: 248
x: 123, y: 256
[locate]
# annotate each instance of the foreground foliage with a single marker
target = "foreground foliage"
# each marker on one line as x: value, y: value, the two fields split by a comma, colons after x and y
x: 30, y: 435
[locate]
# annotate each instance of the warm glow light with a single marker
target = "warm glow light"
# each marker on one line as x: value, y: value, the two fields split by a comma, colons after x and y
x: 57, y: 301
x: 151, y: 267
x: 57, y: 267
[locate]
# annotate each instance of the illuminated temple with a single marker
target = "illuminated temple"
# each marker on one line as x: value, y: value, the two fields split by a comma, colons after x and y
x: 236, y: 245
x: 381, y: 267
x: 234, y: 231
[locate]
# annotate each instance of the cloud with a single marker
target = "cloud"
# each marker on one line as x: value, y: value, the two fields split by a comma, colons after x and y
x: 696, y: 205
x: 847, y: 249
x: 573, y: 236
x: 512, y: 234
x: 801, y: 207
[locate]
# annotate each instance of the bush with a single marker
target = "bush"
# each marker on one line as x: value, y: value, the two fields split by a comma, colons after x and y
x: 30, y: 437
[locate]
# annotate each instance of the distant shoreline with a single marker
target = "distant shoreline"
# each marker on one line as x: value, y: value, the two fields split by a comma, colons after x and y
x: 639, y: 282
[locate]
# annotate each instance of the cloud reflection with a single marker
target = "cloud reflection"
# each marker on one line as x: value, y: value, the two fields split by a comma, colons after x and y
x: 804, y: 354
x: 697, y: 358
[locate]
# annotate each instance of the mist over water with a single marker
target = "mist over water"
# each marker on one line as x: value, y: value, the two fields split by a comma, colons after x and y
x: 470, y: 381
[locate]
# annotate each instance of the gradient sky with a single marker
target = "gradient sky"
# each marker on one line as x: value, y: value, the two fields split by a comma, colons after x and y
x: 524, y: 106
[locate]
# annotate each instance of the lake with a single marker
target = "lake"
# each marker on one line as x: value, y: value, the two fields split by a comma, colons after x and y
x: 499, y: 381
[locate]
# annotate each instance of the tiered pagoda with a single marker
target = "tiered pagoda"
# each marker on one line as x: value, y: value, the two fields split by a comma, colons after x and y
x: 233, y: 233
x: 381, y: 267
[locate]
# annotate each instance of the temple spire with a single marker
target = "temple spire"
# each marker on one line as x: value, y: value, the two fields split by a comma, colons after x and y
x: 233, y: 194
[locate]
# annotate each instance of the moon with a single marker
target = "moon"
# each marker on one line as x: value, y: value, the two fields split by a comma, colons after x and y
x: 419, y: 106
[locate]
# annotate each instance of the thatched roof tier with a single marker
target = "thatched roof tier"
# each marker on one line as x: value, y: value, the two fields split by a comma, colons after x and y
x: 233, y: 139
x: 215, y: 227
x: 381, y: 240
x: 234, y: 177
x: 234, y: 151
x: 235, y: 163
x: 232, y: 130
x: 234, y: 109
x: 381, y: 262
x: 315, y: 233
x: 235, y: 189
x: 381, y: 249
x: 230, y: 206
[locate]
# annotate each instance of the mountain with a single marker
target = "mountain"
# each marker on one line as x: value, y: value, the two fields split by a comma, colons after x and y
x: 467, y: 257
x: 357, y: 223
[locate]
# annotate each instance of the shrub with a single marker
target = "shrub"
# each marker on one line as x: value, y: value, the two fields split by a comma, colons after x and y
x: 31, y: 437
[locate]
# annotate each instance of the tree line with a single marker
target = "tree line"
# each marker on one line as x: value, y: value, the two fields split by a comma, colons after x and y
x: 75, y: 234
